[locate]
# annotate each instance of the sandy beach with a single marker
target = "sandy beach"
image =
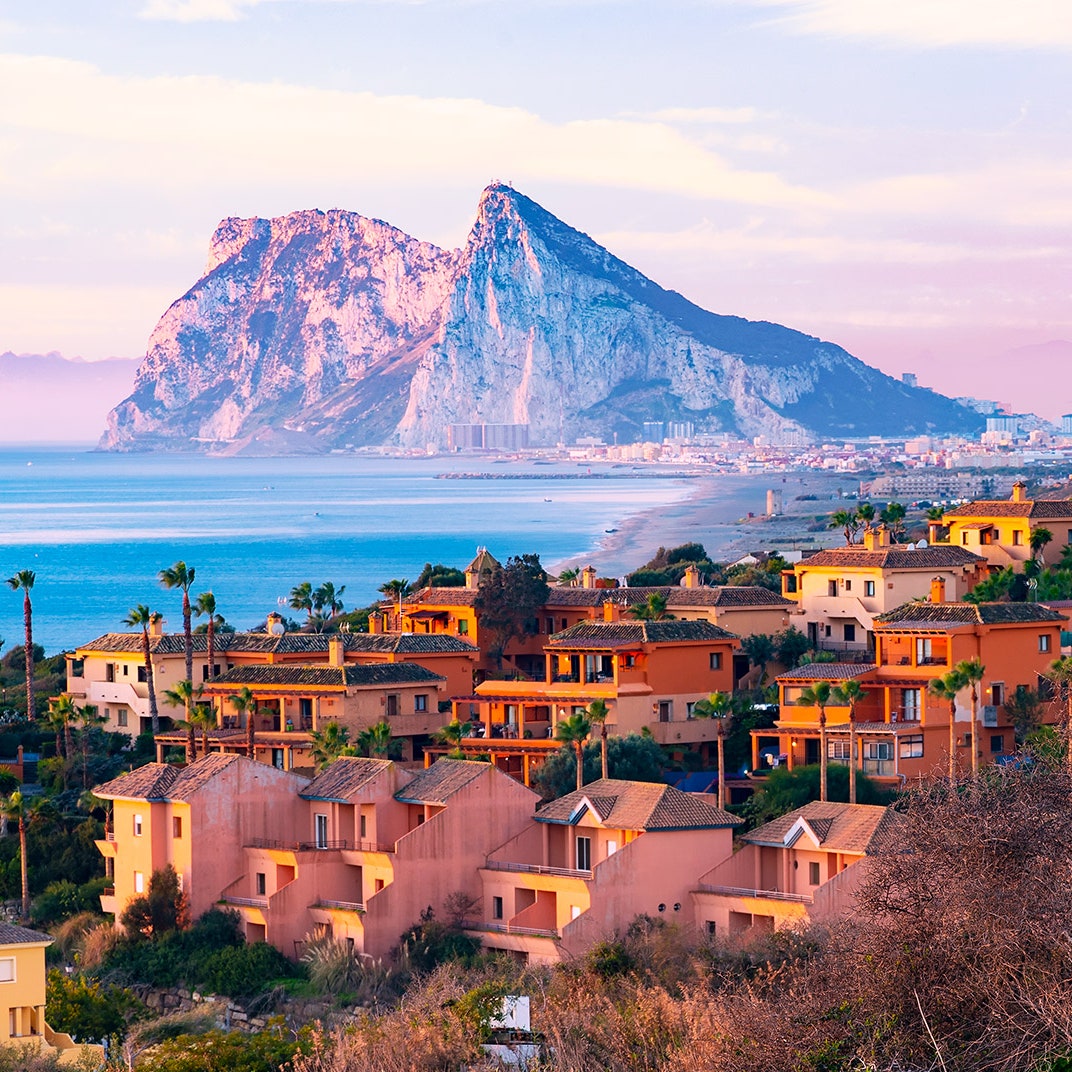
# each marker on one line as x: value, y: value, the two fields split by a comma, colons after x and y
x: 715, y: 513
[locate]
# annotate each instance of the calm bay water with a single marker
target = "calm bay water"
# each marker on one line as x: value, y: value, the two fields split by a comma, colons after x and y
x: 97, y: 528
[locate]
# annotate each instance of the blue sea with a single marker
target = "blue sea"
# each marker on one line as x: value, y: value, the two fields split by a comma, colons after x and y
x: 97, y: 528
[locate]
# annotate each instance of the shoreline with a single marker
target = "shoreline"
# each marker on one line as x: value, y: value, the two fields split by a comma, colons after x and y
x: 715, y: 513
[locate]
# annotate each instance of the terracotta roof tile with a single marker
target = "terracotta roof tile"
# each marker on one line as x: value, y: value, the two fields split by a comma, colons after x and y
x: 826, y: 672
x: 726, y: 595
x: 895, y: 557
x: 150, y: 782
x: 856, y: 828
x: 600, y: 634
x: 198, y: 774
x: 1035, y: 509
x: 923, y: 613
x: 345, y: 778
x: 10, y: 934
x: 353, y: 675
x: 443, y: 597
x: 626, y: 805
x: 439, y: 782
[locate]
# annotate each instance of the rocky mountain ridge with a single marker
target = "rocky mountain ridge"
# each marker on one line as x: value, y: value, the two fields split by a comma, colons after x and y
x: 327, y: 330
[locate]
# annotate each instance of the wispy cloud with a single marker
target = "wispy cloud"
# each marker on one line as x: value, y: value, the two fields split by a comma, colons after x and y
x: 1030, y: 24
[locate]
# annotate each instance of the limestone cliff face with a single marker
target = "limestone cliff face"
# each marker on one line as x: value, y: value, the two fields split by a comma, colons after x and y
x: 324, y: 330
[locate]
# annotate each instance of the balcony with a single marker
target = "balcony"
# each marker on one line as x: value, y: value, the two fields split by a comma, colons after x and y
x: 305, y: 846
x: 245, y: 902
x: 763, y: 895
x: 537, y: 869
x: 508, y: 928
x: 340, y: 906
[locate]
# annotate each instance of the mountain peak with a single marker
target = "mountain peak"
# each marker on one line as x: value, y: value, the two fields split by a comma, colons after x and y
x: 344, y: 331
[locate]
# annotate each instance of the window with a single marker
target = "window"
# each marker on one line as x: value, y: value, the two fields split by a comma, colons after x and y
x: 791, y: 582
x: 563, y: 624
x: 997, y: 693
x: 628, y: 661
x: 1044, y: 642
x: 831, y: 588
x: 869, y: 588
x: 176, y: 826
x: 848, y: 585
x: 109, y: 671
x: 911, y: 702
x: 665, y: 710
x: 137, y: 826
x: 813, y: 873
x: 141, y: 674
x: 584, y: 854
x: 126, y: 670
x: 715, y: 660
x: 496, y: 908
x: 711, y: 927
x: 320, y: 827
x: 1017, y: 538
x: 850, y: 632
x: 215, y: 671
x: 997, y: 742
x: 878, y: 750
x: 689, y: 705
x: 278, y: 758
x: 392, y: 704
x: 139, y: 882
x: 363, y: 827
x: 121, y: 717
x: 463, y: 627
x: 420, y: 701
x: 827, y: 631
x: 7, y: 969
x: 78, y: 667
x: 924, y: 649
x: 963, y: 537
x: 911, y: 747
x: 262, y: 883
x: 838, y: 751
x: 550, y: 623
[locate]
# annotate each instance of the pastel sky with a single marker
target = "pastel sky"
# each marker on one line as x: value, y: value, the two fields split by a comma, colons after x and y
x: 892, y: 175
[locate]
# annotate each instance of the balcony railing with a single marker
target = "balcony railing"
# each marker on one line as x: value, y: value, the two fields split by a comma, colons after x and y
x: 507, y: 928
x: 345, y: 906
x: 109, y: 835
x: 246, y: 902
x: 297, y: 846
x: 766, y: 895
x: 538, y: 869
x: 108, y: 891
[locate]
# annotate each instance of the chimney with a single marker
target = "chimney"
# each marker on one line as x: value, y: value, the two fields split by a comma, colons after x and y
x: 877, y: 538
x: 1019, y: 491
x: 588, y: 577
x: 612, y: 612
x: 336, y: 651
x: 273, y: 623
x: 156, y: 625
x: 691, y: 578
x: 937, y: 589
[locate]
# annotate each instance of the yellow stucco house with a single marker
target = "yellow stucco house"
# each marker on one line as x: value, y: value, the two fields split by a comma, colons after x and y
x: 22, y: 999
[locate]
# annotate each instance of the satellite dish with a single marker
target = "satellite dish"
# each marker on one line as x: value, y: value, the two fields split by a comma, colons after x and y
x: 922, y: 543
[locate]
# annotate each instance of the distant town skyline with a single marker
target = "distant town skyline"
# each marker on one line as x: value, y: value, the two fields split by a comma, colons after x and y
x: 891, y: 177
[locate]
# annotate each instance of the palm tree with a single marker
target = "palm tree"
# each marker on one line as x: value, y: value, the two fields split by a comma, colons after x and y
x: 845, y: 520
x: 328, y: 597
x: 653, y: 609
x: 182, y: 576
x: 1060, y: 672
x: 330, y: 743
x: 245, y: 703
x: 183, y: 695
x: 893, y: 518
x: 204, y: 718
x: 17, y: 807
x: 717, y: 706
x: 972, y: 671
x: 850, y: 693
x: 865, y: 512
x: 375, y: 740
x: 142, y: 616
x: 569, y: 576
x: 759, y: 647
x: 934, y: 522
x: 1038, y: 540
x: 396, y: 591
x: 575, y: 730
x: 61, y: 713
x: 206, y: 605
x: 453, y: 733
x: 598, y: 713
x: 89, y: 718
x: 946, y: 688
x: 24, y: 579
x: 301, y: 598
x: 818, y: 695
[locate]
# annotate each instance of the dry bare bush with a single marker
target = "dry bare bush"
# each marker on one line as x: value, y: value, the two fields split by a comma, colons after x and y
x: 96, y: 944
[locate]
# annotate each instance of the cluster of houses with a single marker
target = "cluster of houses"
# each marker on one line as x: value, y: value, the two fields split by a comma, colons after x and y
x: 359, y: 848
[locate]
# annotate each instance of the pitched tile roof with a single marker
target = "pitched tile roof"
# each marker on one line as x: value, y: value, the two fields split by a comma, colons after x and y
x: 442, y: 597
x: 1035, y: 509
x: 895, y: 557
x: 826, y: 672
x: 924, y: 614
x: 408, y: 643
x: 439, y: 782
x: 726, y: 595
x: 345, y: 778
x: 330, y: 677
x: 856, y: 828
x: 599, y: 634
x: 10, y: 934
x: 625, y: 805
x: 199, y: 773
x: 150, y: 782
